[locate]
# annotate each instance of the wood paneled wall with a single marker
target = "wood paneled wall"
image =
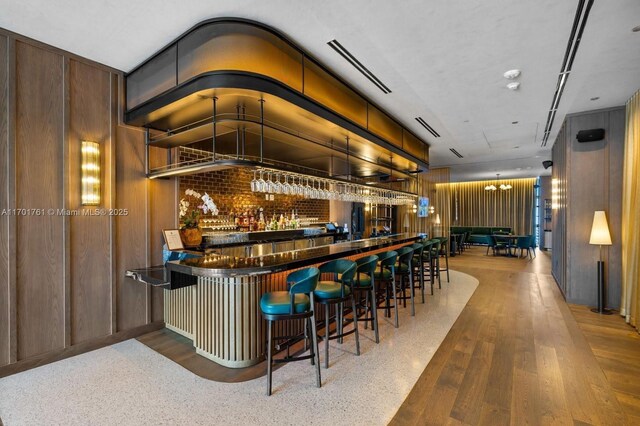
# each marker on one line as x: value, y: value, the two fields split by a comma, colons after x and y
x: 62, y: 284
x: 588, y: 178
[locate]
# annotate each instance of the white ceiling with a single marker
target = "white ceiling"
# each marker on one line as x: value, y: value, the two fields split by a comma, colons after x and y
x: 443, y: 60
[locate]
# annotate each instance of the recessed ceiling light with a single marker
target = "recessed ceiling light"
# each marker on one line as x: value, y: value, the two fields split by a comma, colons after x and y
x: 514, y: 85
x: 466, y: 121
x: 636, y: 29
x: 595, y: 98
x: 516, y: 147
x: 514, y: 122
x: 529, y: 168
x: 511, y: 74
x: 518, y: 168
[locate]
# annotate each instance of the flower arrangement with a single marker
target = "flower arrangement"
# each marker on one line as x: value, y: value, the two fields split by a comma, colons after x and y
x: 190, y: 208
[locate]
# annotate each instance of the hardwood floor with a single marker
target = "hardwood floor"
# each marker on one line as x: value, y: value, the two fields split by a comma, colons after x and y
x: 616, y: 346
x: 516, y: 355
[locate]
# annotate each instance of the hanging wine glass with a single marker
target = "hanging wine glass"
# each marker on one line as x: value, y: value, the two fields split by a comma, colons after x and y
x: 254, y: 182
x: 260, y: 183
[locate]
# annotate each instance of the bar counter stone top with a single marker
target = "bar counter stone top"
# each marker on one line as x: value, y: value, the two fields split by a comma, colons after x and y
x: 216, y: 265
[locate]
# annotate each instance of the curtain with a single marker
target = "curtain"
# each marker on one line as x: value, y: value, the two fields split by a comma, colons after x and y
x: 630, y: 304
x: 472, y: 205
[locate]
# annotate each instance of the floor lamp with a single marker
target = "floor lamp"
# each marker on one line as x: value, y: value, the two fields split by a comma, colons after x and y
x: 600, y: 236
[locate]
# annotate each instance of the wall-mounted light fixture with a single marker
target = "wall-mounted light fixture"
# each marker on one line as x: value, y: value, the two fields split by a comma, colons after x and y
x: 414, y: 208
x: 555, y: 194
x: 90, y: 173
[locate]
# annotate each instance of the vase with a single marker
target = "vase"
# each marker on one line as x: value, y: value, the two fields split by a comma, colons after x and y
x: 191, y: 237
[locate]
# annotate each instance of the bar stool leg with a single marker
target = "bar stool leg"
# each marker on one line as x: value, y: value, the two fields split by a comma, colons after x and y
x: 307, y: 331
x: 339, y: 319
x: 374, y: 311
x: 438, y: 270
x: 446, y: 260
x: 366, y: 310
x: 432, y: 272
x: 413, y: 305
x: 422, y: 278
x: 355, y: 323
x: 403, y: 290
x: 326, y: 337
x: 314, y: 344
x: 395, y: 298
x: 269, y: 356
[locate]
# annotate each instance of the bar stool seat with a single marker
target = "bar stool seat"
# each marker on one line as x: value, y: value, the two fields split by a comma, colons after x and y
x: 330, y: 290
x: 279, y: 303
x: 385, y: 274
x: 363, y: 280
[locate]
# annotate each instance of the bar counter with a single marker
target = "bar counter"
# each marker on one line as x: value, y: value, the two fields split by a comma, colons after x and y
x: 214, y: 265
x: 220, y: 312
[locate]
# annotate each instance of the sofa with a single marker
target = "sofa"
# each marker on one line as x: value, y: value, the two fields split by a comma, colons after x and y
x: 480, y: 234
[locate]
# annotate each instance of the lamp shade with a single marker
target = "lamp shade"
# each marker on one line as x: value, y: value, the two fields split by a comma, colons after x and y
x: 437, y: 219
x: 600, y: 230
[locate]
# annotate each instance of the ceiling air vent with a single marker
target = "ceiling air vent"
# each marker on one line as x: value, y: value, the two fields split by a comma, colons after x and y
x: 426, y: 126
x: 456, y: 153
x: 335, y: 45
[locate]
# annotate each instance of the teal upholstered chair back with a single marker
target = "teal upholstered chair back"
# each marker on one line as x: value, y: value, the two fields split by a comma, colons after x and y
x: 303, y: 281
x: 523, y: 242
x: 417, y: 249
x: 405, y: 254
x: 344, y: 267
x: 532, y: 242
x: 367, y: 264
x: 436, y: 244
x: 388, y: 258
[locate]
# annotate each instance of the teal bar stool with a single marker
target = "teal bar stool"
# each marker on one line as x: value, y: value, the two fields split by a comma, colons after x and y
x: 295, y: 303
x: 427, y: 258
x: 444, y: 251
x: 435, y: 262
x: 337, y: 292
x: 386, y: 274
x: 404, y: 271
x: 418, y: 266
x: 365, y: 283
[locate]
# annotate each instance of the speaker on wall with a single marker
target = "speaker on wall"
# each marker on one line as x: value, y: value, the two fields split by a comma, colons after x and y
x: 590, y: 135
x: 547, y: 163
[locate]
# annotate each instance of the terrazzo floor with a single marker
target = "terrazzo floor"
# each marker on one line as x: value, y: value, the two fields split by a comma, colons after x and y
x: 130, y: 384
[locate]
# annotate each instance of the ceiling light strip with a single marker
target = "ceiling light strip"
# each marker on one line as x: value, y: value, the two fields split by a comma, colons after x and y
x: 426, y: 126
x: 577, y: 29
x: 335, y: 45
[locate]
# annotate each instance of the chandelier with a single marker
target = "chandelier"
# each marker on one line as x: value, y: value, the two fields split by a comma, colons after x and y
x: 503, y: 187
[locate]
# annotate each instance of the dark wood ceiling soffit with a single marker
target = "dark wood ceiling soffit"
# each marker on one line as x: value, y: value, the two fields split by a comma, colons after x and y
x: 235, y: 53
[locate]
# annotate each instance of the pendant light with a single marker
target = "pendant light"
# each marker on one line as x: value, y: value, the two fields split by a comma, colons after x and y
x: 503, y: 187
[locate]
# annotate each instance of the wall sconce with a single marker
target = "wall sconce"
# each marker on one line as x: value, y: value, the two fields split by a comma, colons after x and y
x: 432, y: 210
x: 90, y: 173
x: 555, y: 195
x: 367, y: 207
x: 415, y: 209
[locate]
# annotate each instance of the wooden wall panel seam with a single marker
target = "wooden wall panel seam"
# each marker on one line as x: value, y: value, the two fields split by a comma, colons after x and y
x: 11, y: 202
x: 5, y: 322
x: 66, y: 228
x: 113, y: 82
